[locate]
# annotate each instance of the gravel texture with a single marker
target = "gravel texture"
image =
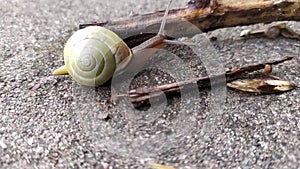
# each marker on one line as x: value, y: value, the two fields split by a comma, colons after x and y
x: 51, y: 122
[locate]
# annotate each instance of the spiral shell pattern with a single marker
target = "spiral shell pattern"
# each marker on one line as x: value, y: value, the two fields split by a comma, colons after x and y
x: 93, y: 54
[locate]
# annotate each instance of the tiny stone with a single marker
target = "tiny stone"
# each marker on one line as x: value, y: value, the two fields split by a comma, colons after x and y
x: 30, y: 141
x: 35, y: 87
x: 105, y: 165
x: 2, y: 144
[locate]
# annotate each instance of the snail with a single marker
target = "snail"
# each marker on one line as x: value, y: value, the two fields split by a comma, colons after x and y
x: 92, y: 55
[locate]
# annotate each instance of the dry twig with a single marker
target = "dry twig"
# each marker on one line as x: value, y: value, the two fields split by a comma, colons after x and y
x: 142, y: 95
x: 207, y: 15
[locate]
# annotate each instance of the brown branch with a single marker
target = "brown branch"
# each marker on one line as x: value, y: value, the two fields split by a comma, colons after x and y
x: 142, y: 95
x: 218, y: 14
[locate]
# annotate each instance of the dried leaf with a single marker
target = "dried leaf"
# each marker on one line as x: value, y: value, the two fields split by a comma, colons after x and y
x: 159, y: 166
x: 261, y: 85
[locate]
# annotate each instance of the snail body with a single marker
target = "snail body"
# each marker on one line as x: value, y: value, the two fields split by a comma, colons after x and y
x: 92, y: 55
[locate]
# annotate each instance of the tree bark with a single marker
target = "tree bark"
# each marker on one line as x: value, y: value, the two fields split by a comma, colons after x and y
x: 206, y: 16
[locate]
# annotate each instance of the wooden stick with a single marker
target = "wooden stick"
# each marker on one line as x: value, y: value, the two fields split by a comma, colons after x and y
x: 142, y: 95
x: 206, y: 15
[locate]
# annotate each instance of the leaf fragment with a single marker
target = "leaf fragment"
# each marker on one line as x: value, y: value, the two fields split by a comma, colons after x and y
x: 160, y: 166
x: 261, y: 85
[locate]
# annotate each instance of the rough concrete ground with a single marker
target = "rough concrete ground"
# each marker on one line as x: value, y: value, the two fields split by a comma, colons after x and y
x: 43, y: 124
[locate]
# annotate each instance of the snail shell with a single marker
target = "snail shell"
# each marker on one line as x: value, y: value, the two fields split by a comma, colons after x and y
x: 93, y: 54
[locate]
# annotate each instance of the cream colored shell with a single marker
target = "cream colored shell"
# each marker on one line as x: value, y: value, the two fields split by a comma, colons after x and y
x: 93, y: 54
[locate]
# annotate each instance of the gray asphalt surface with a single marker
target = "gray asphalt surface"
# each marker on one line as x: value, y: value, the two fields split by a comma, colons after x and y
x: 44, y: 121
